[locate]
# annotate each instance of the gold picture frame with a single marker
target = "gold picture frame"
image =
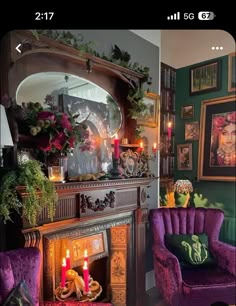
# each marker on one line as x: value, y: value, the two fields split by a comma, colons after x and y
x: 205, y: 78
x: 191, y: 130
x: 184, y: 157
x: 150, y: 116
x: 216, y: 155
x: 232, y: 72
x: 187, y: 111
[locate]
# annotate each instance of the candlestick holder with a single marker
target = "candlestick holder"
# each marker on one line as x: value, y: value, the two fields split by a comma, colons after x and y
x: 115, y: 173
x: 75, y: 288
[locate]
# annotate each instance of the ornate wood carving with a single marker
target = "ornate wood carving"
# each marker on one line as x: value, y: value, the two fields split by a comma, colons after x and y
x: 97, y: 205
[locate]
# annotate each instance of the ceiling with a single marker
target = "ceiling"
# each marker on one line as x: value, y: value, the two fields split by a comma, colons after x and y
x: 180, y: 48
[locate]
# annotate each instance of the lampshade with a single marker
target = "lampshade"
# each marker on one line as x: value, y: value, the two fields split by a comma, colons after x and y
x: 5, y: 139
x: 183, y: 186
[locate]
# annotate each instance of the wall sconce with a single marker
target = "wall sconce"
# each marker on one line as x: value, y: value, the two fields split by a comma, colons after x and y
x: 89, y: 65
x: 5, y: 139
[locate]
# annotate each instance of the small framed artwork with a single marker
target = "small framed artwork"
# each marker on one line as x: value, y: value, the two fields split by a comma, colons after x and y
x: 149, y: 116
x: 187, y: 112
x: 184, y: 157
x: 232, y: 72
x: 191, y: 130
x: 217, y: 152
x: 205, y: 78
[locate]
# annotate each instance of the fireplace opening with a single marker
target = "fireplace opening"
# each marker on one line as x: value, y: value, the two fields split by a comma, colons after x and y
x: 108, y: 253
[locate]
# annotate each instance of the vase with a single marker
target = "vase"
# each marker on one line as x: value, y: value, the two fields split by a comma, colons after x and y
x: 63, y: 162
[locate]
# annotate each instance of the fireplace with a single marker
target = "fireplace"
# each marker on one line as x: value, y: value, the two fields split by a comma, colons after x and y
x: 113, y: 234
x: 108, y: 250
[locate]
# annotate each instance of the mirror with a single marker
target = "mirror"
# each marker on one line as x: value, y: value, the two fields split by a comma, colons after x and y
x: 92, y: 99
x: 104, y: 117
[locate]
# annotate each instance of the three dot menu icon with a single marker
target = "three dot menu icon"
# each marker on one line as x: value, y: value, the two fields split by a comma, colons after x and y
x: 176, y: 16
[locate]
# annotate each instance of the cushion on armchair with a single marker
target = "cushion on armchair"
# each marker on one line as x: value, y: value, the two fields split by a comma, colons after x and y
x: 190, y: 249
x: 19, y: 296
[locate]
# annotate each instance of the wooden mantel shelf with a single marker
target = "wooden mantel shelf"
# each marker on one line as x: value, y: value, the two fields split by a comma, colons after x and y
x: 47, y: 45
x: 75, y: 187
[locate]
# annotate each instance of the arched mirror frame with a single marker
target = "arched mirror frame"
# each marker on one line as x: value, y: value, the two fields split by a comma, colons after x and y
x: 48, y: 55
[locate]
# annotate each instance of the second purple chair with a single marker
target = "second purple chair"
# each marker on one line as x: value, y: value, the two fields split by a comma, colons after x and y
x: 200, y: 285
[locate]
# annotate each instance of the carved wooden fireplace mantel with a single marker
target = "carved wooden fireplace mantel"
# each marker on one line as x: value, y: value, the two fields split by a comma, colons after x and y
x: 116, y: 209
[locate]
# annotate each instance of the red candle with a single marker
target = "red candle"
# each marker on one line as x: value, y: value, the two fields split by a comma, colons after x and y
x: 154, y: 148
x: 116, y: 147
x: 86, y: 277
x: 169, y: 130
x: 63, y: 273
x: 67, y: 259
x: 86, y: 255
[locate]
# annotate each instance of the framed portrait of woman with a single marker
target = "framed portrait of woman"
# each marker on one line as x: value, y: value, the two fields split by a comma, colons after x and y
x: 217, y: 151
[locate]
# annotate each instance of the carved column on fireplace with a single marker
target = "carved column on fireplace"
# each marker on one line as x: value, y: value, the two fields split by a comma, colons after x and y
x: 116, y: 208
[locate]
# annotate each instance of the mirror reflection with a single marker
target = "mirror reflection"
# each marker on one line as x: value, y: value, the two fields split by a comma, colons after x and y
x: 81, y: 96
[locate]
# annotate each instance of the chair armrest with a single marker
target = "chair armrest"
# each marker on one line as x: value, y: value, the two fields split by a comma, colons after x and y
x: 225, y: 255
x: 168, y: 273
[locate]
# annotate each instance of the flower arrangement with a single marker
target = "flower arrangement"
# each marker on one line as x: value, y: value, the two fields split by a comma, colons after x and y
x: 222, y: 120
x: 57, y: 133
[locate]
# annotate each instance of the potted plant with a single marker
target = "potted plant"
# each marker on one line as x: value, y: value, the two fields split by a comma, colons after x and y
x: 27, y: 191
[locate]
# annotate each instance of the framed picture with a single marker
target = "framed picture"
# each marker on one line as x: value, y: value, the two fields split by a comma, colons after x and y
x: 187, y: 111
x: 150, y: 116
x: 217, y: 152
x: 232, y: 72
x: 204, y: 78
x: 191, y: 130
x: 184, y: 157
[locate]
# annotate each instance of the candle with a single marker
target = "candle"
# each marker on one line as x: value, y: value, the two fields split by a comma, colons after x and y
x: 63, y: 273
x: 141, y: 146
x: 169, y: 130
x: 67, y: 259
x: 86, y: 277
x: 116, y: 147
x: 86, y: 255
x: 154, y: 147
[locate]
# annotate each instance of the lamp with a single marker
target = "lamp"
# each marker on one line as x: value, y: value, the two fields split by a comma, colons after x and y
x: 5, y: 139
x: 184, y: 186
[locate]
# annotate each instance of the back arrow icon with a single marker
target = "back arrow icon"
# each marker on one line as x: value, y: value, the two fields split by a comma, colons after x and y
x: 18, y: 48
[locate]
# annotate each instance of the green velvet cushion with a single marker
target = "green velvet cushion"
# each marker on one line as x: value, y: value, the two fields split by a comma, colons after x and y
x: 190, y: 249
x: 19, y: 296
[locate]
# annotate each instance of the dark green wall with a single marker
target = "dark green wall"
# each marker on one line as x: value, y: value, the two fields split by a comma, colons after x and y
x: 206, y: 193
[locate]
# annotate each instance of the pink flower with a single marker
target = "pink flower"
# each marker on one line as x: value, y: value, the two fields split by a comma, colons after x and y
x: 231, y: 117
x: 65, y: 123
x: 59, y: 140
x: 218, y: 121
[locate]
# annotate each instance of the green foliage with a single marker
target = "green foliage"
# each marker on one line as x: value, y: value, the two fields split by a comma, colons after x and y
x: 117, y: 56
x: 39, y: 193
x: 138, y: 106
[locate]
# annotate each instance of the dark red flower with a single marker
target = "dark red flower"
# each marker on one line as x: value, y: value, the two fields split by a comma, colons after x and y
x: 44, y: 115
x: 65, y: 123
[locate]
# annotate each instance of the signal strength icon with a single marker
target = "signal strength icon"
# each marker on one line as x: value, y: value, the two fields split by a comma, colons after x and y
x: 176, y: 16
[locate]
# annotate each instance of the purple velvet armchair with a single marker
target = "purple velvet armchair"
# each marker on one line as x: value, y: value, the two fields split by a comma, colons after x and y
x: 198, y: 286
x: 17, y: 265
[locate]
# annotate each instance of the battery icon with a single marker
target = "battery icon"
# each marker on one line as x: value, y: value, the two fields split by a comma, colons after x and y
x: 206, y: 15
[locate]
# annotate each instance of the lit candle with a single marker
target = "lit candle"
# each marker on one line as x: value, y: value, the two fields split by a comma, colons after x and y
x: 141, y: 146
x: 169, y: 130
x: 63, y: 273
x: 86, y: 277
x: 154, y: 147
x: 86, y: 255
x: 67, y: 259
x: 116, y: 147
